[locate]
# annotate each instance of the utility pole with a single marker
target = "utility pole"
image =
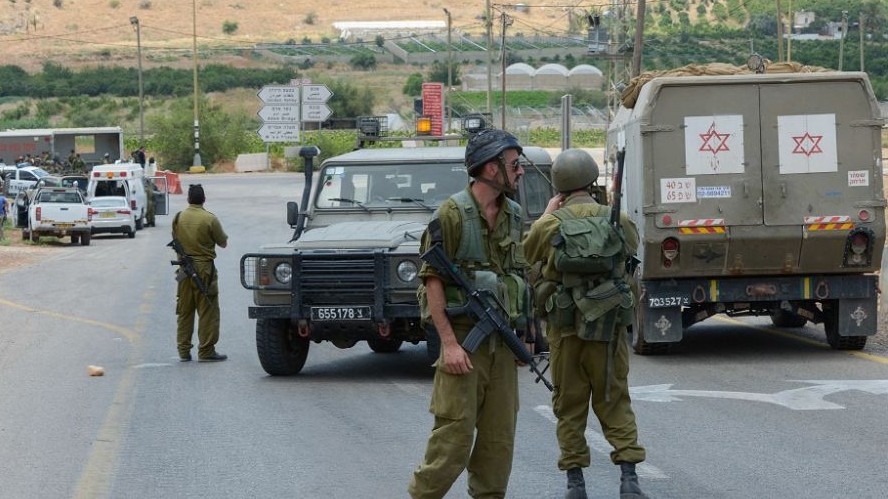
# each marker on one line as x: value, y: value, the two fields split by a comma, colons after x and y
x: 449, y: 74
x: 789, y: 38
x: 862, y: 19
x: 194, y: 58
x: 639, y: 39
x: 779, y: 33
x: 506, y: 23
x: 135, y: 22
x: 488, y: 23
x: 842, y: 39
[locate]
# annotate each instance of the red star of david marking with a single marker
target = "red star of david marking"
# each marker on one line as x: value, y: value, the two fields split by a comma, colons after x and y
x: 720, y: 140
x: 807, y: 144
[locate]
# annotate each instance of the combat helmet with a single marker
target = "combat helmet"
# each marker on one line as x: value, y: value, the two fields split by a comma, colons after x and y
x: 573, y: 169
x: 486, y: 145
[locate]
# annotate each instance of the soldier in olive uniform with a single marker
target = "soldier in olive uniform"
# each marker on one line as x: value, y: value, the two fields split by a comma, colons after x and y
x: 585, y: 371
x: 199, y: 232
x: 475, y: 395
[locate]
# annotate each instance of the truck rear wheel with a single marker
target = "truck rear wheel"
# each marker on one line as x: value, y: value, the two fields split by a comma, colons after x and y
x: 85, y: 238
x: 282, y: 352
x: 835, y: 340
x: 384, y: 346
x: 785, y: 318
x: 75, y: 239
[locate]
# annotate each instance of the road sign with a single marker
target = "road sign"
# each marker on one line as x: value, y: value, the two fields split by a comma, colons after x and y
x: 315, y: 94
x: 279, y: 132
x: 315, y: 112
x: 279, y: 94
x: 279, y: 113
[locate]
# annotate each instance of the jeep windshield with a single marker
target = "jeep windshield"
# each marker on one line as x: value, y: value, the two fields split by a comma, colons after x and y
x: 389, y: 186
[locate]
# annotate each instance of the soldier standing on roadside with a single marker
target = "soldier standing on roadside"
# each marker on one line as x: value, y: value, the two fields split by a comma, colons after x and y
x: 592, y: 364
x: 475, y: 395
x: 199, y: 232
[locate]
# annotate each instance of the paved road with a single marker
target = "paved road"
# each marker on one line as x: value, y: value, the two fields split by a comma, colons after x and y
x: 740, y: 410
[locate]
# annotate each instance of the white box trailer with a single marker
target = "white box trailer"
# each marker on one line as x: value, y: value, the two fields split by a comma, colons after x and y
x: 756, y: 194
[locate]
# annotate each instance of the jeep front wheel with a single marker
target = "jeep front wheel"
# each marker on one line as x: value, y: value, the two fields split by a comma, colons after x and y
x: 384, y: 346
x: 282, y: 352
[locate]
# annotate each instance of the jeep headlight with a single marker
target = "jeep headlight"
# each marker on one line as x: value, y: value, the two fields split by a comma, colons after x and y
x: 283, y: 272
x: 407, y: 271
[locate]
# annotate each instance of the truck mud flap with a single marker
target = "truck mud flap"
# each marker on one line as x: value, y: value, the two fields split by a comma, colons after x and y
x: 660, y: 325
x: 858, y: 317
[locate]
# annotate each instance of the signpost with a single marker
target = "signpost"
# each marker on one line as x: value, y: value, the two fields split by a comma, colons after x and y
x: 288, y: 106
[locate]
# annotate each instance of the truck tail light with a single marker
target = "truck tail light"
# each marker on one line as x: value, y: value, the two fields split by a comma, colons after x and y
x: 133, y: 204
x: 92, y: 211
x: 669, y: 248
x: 124, y: 212
x: 858, y: 248
x: 39, y: 213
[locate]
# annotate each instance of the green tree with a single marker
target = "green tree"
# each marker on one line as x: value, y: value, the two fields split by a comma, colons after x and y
x: 222, y: 135
x: 413, y: 86
x: 438, y: 73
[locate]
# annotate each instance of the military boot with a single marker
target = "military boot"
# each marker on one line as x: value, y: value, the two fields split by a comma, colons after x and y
x: 576, y: 485
x: 629, y: 488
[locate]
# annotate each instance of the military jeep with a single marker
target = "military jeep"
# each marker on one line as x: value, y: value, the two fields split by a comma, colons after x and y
x: 349, y: 273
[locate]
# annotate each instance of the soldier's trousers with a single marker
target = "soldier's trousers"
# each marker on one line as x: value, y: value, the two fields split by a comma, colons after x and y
x: 190, y: 300
x: 486, y: 399
x: 579, y: 373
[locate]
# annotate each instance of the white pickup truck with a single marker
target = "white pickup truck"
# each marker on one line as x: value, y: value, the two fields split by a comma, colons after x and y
x: 59, y: 212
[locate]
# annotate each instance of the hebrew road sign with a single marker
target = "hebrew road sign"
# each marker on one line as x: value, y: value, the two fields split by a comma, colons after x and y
x: 279, y: 113
x: 279, y: 94
x: 315, y: 94
x: 315, y: 112
x: 279, y: 132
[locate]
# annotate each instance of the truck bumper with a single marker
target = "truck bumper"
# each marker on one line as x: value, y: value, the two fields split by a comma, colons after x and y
x: 664, y: 305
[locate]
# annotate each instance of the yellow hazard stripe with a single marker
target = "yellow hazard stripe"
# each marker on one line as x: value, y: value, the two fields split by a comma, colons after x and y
x: 713, y: 290
x: 701, y: 230
x: 806, y: 288
x: 836, y: 226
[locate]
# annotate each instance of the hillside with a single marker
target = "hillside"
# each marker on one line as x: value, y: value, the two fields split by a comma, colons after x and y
x: 99, y: 31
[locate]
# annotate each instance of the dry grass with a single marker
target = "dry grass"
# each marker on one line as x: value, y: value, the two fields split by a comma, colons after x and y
x: 81, y: 29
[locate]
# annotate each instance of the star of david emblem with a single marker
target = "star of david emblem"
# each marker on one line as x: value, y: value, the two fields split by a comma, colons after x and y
x: 713, y: 141
x: 807, y: 144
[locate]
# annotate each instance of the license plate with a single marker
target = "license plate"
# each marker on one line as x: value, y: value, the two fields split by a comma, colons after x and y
x: 106, y: 214
x: 64, y: 226
x: 668, y: 301
x: 340, y: 313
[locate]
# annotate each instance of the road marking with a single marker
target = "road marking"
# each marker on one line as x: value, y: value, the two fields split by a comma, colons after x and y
x: 129, y: 334
x: 881, y: 359
x: 598, y: 443
x: 152, y: 364
x: 809, y: 398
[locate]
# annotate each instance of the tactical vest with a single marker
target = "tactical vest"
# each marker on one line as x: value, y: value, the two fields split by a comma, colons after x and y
x: 473, y: 261
x: 593, y: 296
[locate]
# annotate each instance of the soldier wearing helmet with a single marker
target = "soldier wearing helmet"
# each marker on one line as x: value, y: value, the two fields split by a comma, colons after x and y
x: 475, y: 395
x: 586, y: 369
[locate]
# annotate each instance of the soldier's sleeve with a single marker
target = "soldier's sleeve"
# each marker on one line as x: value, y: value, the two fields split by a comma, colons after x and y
x: 630, y: 232
x: 219, y: 235
x: 445, y: 229
x: 536, y: 239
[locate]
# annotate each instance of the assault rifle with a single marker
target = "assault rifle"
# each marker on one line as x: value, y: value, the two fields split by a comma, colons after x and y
x: 186, y: 266
x: 487, y: 310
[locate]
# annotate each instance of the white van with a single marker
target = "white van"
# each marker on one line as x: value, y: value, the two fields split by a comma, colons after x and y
x: 121, y: 179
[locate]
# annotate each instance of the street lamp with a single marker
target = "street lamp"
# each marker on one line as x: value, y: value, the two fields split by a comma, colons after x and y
x: 135, y: 22
x: 449, y: 72
x: 194, y: 58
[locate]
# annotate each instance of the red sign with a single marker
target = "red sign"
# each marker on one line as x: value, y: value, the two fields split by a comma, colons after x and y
x: 433, y: 105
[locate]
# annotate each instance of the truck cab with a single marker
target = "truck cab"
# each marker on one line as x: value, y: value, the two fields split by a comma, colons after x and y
x: 121, y: 179
x: 350, y: 273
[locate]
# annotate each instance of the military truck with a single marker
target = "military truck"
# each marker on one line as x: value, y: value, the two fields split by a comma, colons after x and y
x: 349, y: 274
x: 755, y: 194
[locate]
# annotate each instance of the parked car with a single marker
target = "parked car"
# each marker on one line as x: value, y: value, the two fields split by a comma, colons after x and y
x: 112, y: 214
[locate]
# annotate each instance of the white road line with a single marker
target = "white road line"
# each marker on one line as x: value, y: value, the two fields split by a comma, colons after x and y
x: 598, y: 443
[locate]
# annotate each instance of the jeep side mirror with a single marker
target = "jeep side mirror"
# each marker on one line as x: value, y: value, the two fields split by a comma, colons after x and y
x: 292, y: 213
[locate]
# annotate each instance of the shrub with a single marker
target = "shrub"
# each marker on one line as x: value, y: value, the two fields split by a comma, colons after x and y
x: 229, y: 27
x: 310, y: 18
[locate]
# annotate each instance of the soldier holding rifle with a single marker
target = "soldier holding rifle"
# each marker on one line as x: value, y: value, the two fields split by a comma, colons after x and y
x: 196, y: 233
x: 475, y: 394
